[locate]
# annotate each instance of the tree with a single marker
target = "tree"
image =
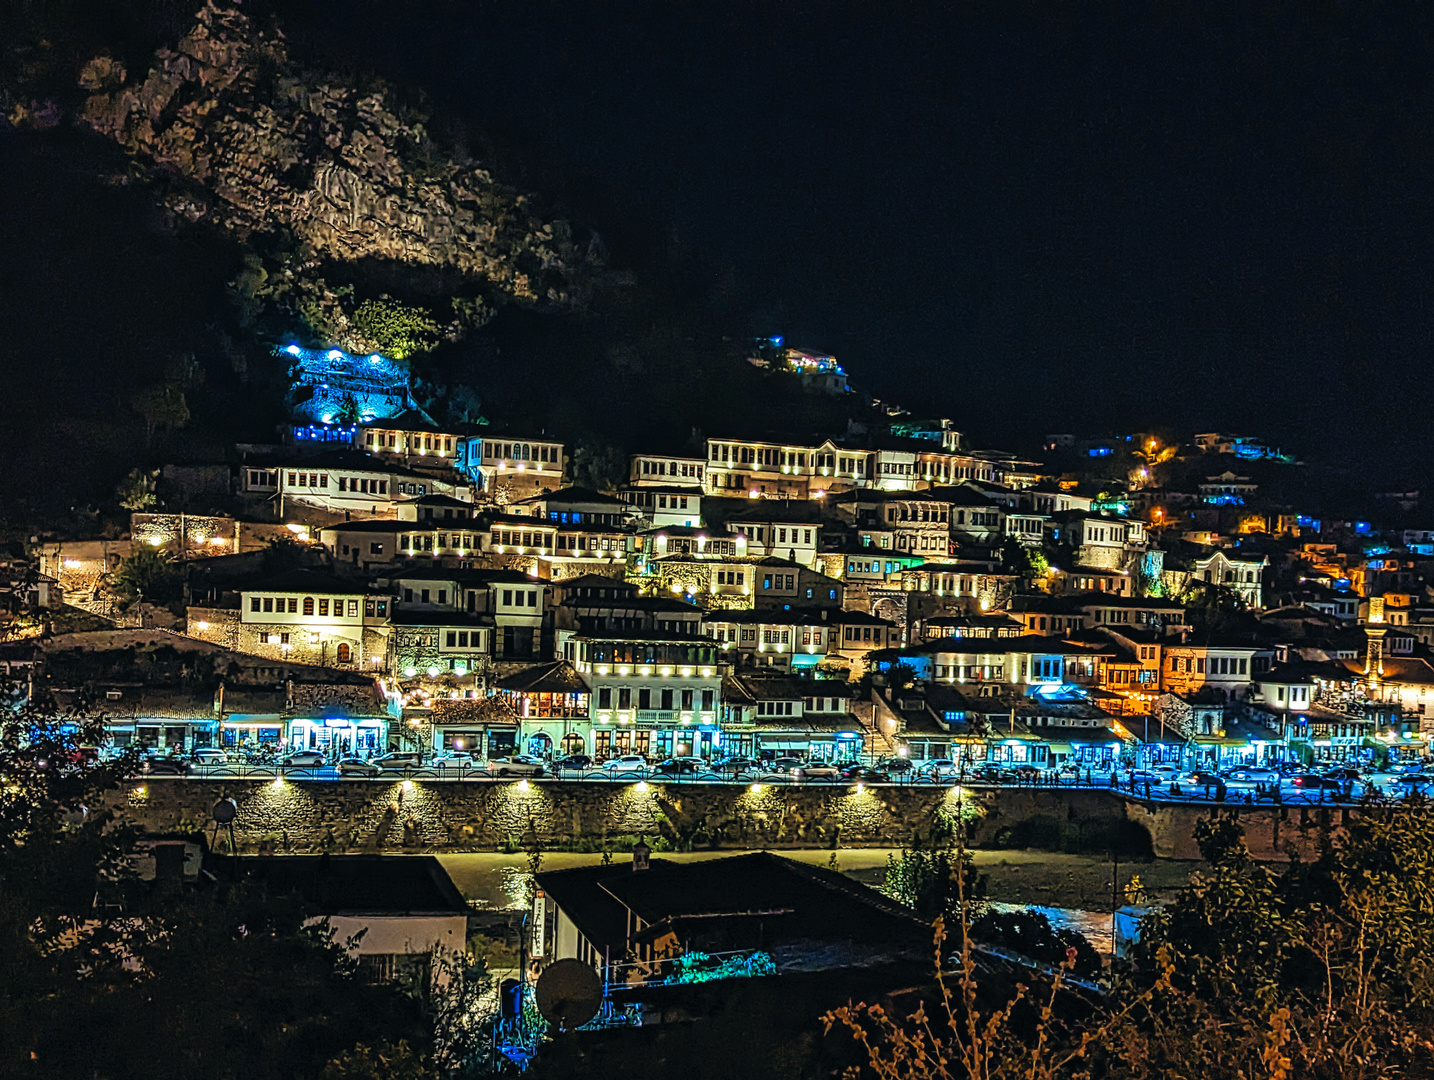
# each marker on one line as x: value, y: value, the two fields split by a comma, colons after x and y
x: 139, y: 490
x: 147, y: 573
x: 396, y: 330
x: 218, y: 979
x: 162, y: 406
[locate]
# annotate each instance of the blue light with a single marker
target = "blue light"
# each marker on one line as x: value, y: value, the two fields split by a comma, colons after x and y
x: 293, y: 350
x: 328, y: 418
x: 778, y: 341
x: 335, y: 354
x: 375, y: 358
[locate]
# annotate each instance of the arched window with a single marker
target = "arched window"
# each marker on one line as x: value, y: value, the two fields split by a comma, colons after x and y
x: 308, y: 605
x: 344, y: 653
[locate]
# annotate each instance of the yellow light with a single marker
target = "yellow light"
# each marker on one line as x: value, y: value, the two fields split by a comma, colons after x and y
x: 141, y: 790
x: 408, y: 785
x: 642, y: 785
x: 522, y: 785
x: 203, y: 625
x: 755, y: 789
x: 72, y: 564
x: 860, y: 787
x: 295, y: 528
x: 156, y: 541
x: 278, y: 781
x: 217, y: 541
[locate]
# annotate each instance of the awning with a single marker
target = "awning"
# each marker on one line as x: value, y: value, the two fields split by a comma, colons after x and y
x: 1219, y: 740
x: 784, y: 744
x: 1059, y: 747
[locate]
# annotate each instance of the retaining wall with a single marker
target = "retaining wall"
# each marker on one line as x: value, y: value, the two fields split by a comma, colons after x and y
x: 383, y: 815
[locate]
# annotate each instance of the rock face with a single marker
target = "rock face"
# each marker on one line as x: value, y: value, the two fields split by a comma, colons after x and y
x: 324, y: 171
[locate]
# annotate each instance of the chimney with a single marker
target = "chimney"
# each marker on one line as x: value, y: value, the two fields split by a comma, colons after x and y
x: 641, y: 855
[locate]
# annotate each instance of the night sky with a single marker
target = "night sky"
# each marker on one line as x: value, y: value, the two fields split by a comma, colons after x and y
x: 1035, y: 217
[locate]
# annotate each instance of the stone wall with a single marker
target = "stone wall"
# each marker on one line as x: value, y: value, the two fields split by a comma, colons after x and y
x: 386, y: 815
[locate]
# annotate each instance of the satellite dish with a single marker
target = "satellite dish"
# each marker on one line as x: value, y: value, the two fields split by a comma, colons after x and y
x: 225, y: 810
x: 568, y: 994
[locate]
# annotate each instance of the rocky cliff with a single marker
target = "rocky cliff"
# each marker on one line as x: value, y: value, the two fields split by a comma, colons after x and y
x: 318, y: 175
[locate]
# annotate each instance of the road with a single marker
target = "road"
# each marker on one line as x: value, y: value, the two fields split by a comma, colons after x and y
x: 1387, y: 784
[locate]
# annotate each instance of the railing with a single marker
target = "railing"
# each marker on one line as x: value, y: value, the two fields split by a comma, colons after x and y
x: 1240, y: 793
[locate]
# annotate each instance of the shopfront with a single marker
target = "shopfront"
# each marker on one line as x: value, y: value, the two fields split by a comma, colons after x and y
x: 241, y: 731
x: 338, y: 736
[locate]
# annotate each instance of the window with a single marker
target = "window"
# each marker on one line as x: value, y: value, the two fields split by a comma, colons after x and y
x: 283, y: 639
x: 293, y: 605
x: 507, y: 597
x: 375, y: 547
x: 644, y: 698
x: 624, y: 698
x: 532, y: 599
x: 268, y: 603
x: 255, y: 604
x: 605, y: 697
x: 343, y: 653
x: 308, y: 605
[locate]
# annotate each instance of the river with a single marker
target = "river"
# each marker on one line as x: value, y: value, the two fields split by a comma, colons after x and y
x: 499, y: 882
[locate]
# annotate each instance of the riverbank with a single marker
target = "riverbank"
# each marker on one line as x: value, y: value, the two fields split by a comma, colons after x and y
x: 498, y: 881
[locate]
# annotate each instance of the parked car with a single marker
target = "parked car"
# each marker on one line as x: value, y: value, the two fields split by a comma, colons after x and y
x: 864, y: 774
x: 1411, y: 782
x: 940, y: 770
x: 732, y: 766
x: 399, y: 760
x: 304, y: 759
x: 819, y: 770
x: 167, y: 767
x: 897, y: 766
x: 210, y: 756
x: 991, y: 773
x: 682, y: 766
x: 1313, y: 782
x: 1253, y: 774
x: 626, y: 763
x: 454, y: 761
x: 357, y: 766
x: 573, y: 763
x: 517, y: 765
x: 1344, y: 772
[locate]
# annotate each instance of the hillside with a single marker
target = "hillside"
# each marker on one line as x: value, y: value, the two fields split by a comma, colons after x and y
x: 191, y: 205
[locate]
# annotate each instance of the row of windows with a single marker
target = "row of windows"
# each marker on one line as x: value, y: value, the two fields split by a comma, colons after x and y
x: 666, y: 699
x: 362, y: 484
x: 970, y: 671
x: 515, y: 598
x: 779, y: 535
x: 292, y: 605
x: 924, y: 513
x: 1217, y: 665
x: 673, y: 468
x: 440, y: 443
x: 731, y: 577
x: 458, y: 639
x: 522, y: 452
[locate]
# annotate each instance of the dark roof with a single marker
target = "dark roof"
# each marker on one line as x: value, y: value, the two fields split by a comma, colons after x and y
x: 307, y: 581
x: 1028, y: 643
x: 559, y: 677
x: 575, y: 495
x: 780, y: 616
x: 408, y: 420
x: 755, y: 688
x: 437, y: 500
x: 963, y: 494
x: 353, y: 884
x: 402, y: 616
x: 595, y: 581
x: 791, y: 901
x: 460, y: 575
